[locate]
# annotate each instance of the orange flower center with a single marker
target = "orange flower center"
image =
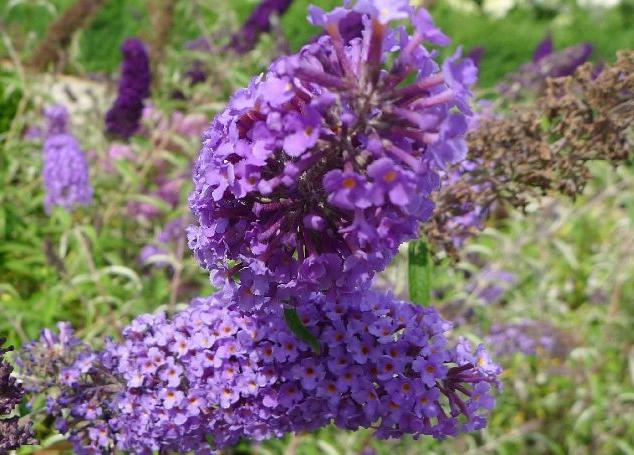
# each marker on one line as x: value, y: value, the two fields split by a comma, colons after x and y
x: 389, y: 176
x: 349, y: 183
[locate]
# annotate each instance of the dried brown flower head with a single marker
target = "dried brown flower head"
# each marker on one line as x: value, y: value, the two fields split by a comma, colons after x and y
x: 541, y: 147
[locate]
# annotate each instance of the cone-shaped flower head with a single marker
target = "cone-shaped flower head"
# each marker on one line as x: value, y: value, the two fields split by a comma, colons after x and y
x: 313, y: 175
x: 57, y: 119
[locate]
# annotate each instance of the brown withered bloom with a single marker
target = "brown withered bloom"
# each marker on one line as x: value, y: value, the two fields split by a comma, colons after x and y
x: 540, y: 148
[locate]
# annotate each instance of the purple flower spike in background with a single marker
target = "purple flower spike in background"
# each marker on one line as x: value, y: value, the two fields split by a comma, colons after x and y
x: 61, y: 366
x: 531, y: 77
x: 13, y: 433
x: 134, y: 86
x: 313, y: 175
x: 258, y: 22
x: 543, y: 49
x: 214, y: 373
x: 65, y: 173
x: 528, y: 337
x: 57, y: 119
x: 476, y: 54
x: 566, y: 62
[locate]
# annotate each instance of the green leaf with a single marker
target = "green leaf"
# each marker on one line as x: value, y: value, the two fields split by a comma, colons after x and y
x: 419, y: 273
x: 296, y: 326
x: 210, y: 440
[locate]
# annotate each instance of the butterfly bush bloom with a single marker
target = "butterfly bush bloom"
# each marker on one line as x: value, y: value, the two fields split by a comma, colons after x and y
x: 64, y: 369
x: 216, y: 373
x: 527, y: 337
x: 531, y: 77
x: 134, y: 86
x: 40, y: 362
x: 315, y: 173
x: 257, y: 23
x: 13, y: 433
x: 57, y: 119
x: 65, y: 173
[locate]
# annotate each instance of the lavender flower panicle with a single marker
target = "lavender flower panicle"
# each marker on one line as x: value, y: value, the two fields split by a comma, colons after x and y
x: 544, y: 48
x: 60, y: 366
x: 314, y: 175
x: 527, y: 337
x: 214, y: 371
x: 40, y: 362
x: 57, y: 119
x: 257, y: 23
x: 66, y: 174
x: 134, y: 86
x: 13, y: 432
x: 531, y: 77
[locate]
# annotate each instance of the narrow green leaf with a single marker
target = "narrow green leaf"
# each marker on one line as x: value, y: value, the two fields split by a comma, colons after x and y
x: 300, y: 331
x: 419, y: 273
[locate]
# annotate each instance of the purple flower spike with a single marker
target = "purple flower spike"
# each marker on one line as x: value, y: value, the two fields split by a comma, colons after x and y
x: 134, y: 86
x: 65, y: 173
x: 544, y: 48
x: 570, y: 59
x: 476, y: 54
x: 531, y: 77
x: 334, y: 152
x: 57, y: 119
x: 258, y: 22
x: 527, y: 337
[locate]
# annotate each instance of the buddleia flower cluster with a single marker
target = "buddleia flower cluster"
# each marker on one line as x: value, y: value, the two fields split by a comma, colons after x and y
x: 215, y: 373
x: 305, y: 187
x: 52, y: 366
x: 56, y: 119
x: 134, y: 86
x: 531, y: 77
x: 13, y: 433
x: 56, y: 122
x: 65, y: 169
x: 316, y: 172
x: 257, y: 23
x: 529, y: 337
